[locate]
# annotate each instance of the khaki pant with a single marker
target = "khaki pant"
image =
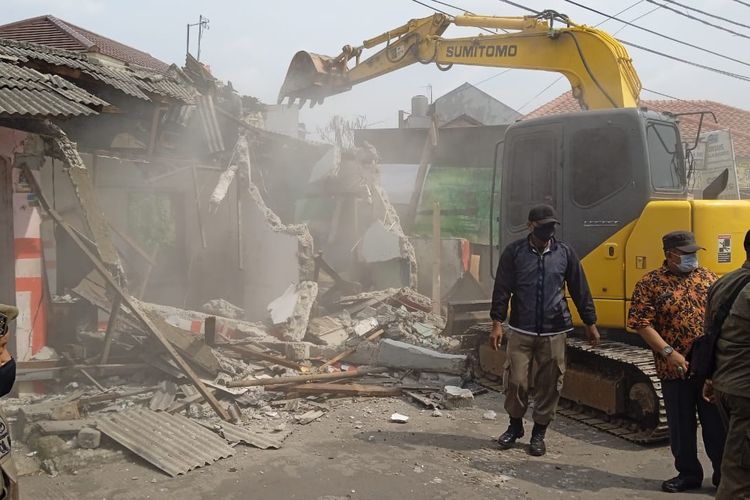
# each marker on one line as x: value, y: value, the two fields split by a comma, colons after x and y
x: 735, y: 464
x: 542, y: 358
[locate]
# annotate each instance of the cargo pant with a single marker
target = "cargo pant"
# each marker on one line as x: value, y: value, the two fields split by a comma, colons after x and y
x: 542, y: 358
x: 8, y: 485
x: 735, y: 464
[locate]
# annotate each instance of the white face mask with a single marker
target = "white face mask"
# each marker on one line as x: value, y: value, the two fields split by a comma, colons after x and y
x: 688, y: 263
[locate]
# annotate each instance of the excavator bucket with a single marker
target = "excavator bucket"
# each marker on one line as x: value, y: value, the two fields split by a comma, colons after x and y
x: 313, y: 77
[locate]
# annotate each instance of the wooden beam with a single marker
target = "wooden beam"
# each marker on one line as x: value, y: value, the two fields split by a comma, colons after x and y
x: 340, y: 390
x: 130, y: 302
x: 258, y: 354
x: 113, y: 312
x: 199, y: 216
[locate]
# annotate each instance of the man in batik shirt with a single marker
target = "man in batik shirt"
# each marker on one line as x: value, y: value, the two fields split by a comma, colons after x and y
x: 667, y: 311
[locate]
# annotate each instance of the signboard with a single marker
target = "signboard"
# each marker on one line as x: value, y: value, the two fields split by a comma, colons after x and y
x: 725, y: 248
x: 714, y: 154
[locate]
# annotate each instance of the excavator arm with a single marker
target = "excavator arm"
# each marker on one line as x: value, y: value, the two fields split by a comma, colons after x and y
x: 597, y: 66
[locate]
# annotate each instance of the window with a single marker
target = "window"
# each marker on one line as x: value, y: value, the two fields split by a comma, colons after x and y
x: 600, y: 164
x: 665, y: 157
x: 533, y: 168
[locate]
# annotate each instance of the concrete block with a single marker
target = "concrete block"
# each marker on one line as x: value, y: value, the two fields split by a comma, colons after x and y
x: 456, y: 397
x: 297, y: 351
x: 379, y: 244
x: 89, y: 438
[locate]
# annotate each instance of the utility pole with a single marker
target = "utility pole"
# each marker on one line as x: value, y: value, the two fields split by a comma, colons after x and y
x: 202, y: 25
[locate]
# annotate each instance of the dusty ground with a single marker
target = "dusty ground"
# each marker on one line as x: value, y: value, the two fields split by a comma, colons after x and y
x: 355, y: 452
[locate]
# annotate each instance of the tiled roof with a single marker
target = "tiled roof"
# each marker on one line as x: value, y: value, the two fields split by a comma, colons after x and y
x: 27, y: 92
x: 56, y: 33
x: 134, y: 82
x: 735, y: 119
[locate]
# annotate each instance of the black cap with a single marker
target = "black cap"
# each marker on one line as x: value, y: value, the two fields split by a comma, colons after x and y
x: 543, y: 214
x: 681, y: 240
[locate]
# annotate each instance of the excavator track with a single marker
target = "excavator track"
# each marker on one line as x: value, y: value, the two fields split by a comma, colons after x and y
x: 634, y: 364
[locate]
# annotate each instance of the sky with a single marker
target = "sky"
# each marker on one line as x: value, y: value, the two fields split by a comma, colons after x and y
x: 251, y: 43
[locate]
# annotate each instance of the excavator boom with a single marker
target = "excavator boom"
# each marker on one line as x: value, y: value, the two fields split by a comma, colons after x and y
x: 597, y: 66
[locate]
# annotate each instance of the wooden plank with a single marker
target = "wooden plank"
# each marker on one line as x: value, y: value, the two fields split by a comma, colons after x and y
x: 304, y: 378
x: 258, y: 354
x: 114, y: 312
x: 130, y: 302
x: 436, y: 257
x: 340, y: 390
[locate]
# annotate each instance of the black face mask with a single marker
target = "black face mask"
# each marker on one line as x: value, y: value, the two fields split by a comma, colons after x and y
x: 7, y: 377
x: 544, y: 233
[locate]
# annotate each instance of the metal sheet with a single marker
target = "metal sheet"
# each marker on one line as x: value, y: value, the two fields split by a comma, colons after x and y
x: 209, y: 124
x: 235, y: 434
x: 39, y: 103
x: 172, y: 443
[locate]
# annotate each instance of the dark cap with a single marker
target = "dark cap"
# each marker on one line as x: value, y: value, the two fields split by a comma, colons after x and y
x: 543, y: 214
x: 681, y: 240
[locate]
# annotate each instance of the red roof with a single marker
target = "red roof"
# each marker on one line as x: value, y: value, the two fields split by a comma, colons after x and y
x: 53, y: 32
x: 735, y: 119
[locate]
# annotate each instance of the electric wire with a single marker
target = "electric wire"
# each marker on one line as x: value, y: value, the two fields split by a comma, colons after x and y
x: 714, y: 16
x: 742, y: 3
x: 697, y: 19
x: 663, y: 95
x: 653, y: 32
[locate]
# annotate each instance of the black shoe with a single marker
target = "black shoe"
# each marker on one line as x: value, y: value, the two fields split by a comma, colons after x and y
x: 507, y: 438
x: 537, y: 448
x: 678, y: 484
x: 716, y: 479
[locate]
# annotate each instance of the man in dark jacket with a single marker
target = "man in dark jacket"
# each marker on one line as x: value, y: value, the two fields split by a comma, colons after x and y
x: 532, y: 275
x: 729, y: 386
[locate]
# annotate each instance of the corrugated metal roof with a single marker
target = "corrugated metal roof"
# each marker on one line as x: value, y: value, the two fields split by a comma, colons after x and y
x: 235, y: 434
x: 209, y: 124
x: 18, y: 101
x: 172, y: 443
x: 27, y: 92
x: 129, y: 81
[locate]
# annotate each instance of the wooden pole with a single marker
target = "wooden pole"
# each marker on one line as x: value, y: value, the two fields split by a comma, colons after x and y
x: 436, y: 243
x: 113, y: 312
x: 129, y: 301
x: 305, y: 378
x: 199, y: 217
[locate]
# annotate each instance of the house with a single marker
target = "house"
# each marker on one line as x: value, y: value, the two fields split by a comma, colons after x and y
x: 728, y: 117
x: 464, y: 106
x: 58, y: 34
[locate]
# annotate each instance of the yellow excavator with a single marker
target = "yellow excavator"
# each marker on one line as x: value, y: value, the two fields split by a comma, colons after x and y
x: 616, y: 173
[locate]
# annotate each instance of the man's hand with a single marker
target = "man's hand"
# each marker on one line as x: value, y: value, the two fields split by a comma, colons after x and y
x: 4, y: 353
x: 708, y: 391
x: 677, y: 364
x: 592, y: 332
x: 496, y: 337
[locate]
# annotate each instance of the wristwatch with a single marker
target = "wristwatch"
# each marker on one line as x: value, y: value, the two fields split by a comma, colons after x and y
x: 667, y: 351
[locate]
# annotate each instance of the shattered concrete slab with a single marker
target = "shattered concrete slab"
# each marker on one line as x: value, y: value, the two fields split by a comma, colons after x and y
x: 379, y: 244
x: 223, y: 308
x: 290, y: 312
x: 328, y: 330
x: 328, y: 166
x: 400, y: 355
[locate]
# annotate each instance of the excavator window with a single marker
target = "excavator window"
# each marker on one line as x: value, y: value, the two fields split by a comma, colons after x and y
x: 601, y: 164
x: 533, y: 171
x: 665, y: 157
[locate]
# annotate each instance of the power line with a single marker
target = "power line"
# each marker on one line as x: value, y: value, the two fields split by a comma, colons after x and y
x: 446, y: 4
x: 493, y: 76
x: 664, y: 95
x: 742, y: 3
x: 692, y: 63
x: 538, y: 94
x: 673, y: 2
x: 702, y: 21
x: 688, y: 44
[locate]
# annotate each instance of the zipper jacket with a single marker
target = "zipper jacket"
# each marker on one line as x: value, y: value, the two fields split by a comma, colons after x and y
x: 534, y: 284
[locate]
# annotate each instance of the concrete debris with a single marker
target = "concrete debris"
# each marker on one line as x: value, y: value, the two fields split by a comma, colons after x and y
x: 399, y: 418
x: 379, y: 244
x: 290, y: 312
x: 400, y: 355
x: 89, y: 438
x: 456, y: 397
x: 489, y: 415
x: 308, y: 417
x: 222, y: 186
x: 223, y: 308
